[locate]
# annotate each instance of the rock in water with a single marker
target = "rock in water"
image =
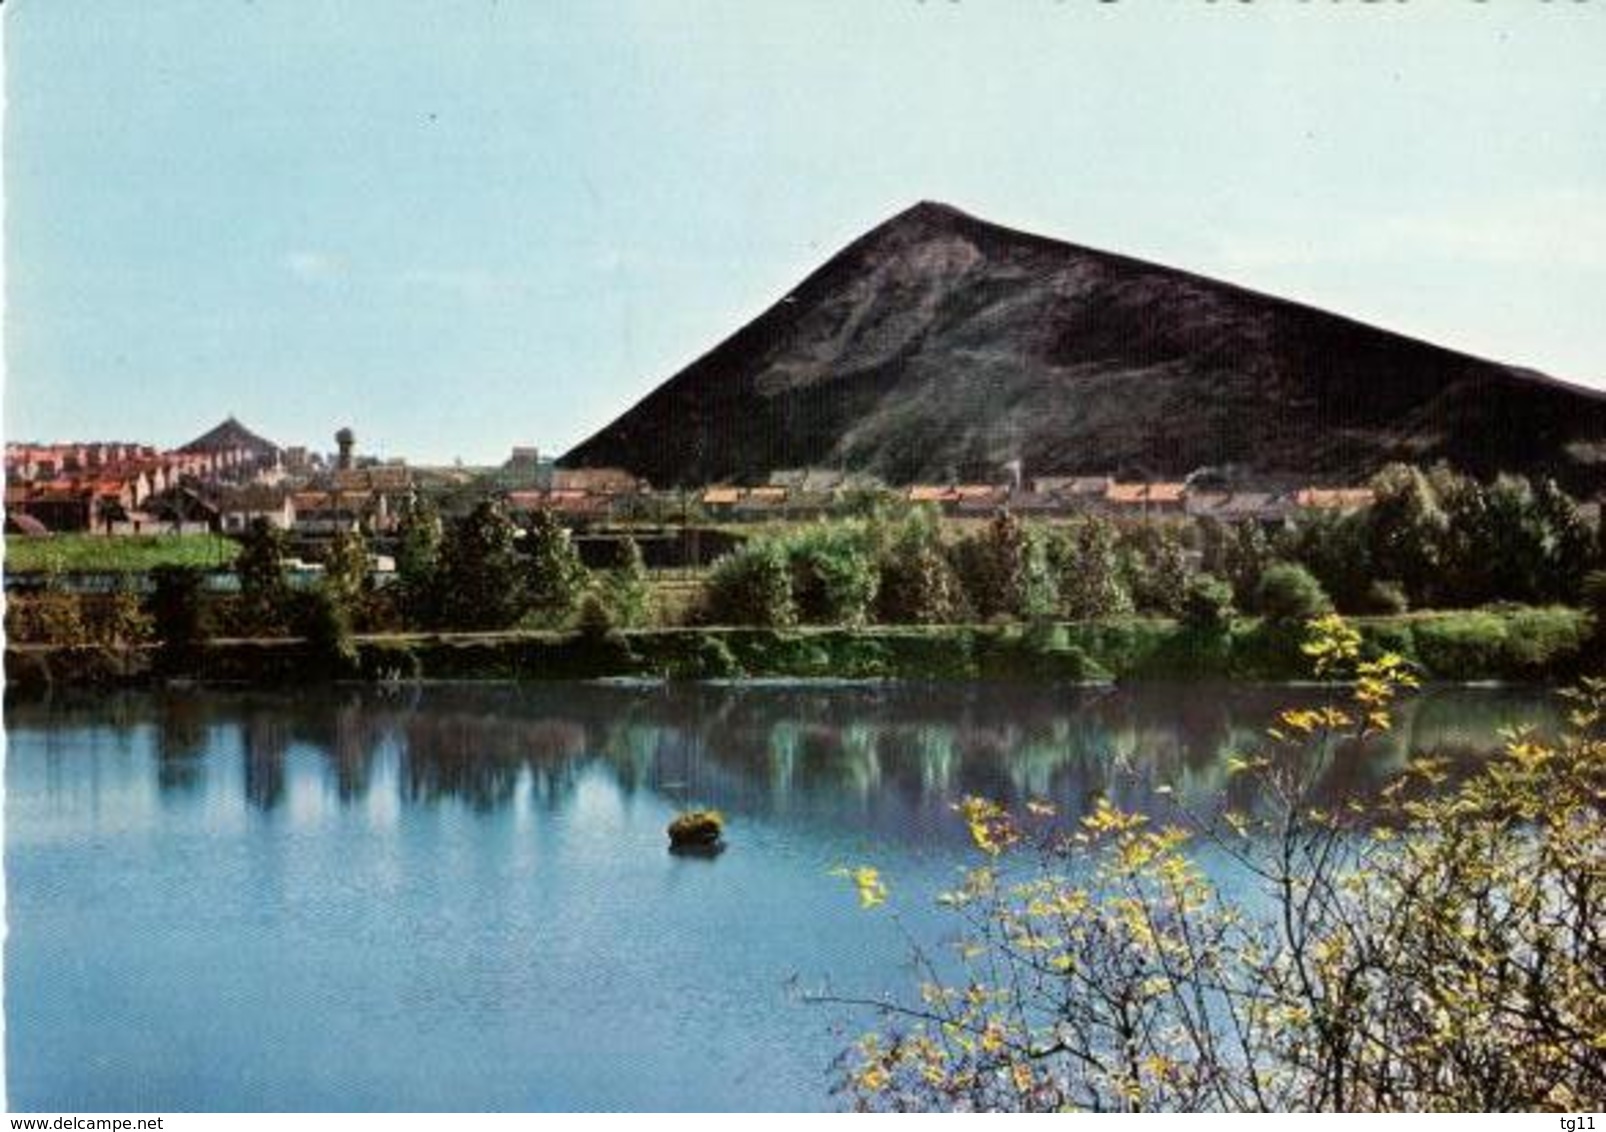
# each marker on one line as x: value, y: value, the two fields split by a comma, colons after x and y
x: 696, y: 829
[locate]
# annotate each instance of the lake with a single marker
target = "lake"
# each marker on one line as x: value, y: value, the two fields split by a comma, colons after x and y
x: 459, y: 896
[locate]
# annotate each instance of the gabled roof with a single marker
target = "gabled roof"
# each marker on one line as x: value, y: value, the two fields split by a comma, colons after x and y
x: 252, y: 497
x: 1233, y: 505
x: 1142, y: 493
x: 595, y: 479
x: 1343, y: 498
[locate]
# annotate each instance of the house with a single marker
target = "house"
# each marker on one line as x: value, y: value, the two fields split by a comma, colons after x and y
x: 977, y: 500
x: 720, y: 501
x: 181, y: 510
x: 596, y: 481
x: 239, y: 507
x: 578, y: 506
x: 320, y: 514
x: 572, y: 506
x: 1334, y: 498
x: 1231, y: 507
x: 1071, y: 486
x: 1148, y: 500
x: 58, y: 505
x: 760, y: 503
x: 1039, y: 503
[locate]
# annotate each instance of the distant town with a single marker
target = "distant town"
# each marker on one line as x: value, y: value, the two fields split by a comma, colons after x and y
x: 226, y: 478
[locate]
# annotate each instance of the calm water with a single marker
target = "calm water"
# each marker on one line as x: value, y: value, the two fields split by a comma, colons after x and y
x: 458, y: 897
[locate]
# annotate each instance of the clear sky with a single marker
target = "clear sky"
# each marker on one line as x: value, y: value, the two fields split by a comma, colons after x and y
x: 460, y: 226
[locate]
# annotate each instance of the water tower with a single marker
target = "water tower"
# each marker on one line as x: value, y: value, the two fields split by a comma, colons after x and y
x: 347, y: 440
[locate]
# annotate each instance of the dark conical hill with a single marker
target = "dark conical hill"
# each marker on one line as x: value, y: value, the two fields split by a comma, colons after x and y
x: 940, y: 346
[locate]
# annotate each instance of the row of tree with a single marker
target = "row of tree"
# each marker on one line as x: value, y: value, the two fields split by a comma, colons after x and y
x: 477, y: 573
x: 1432, y: 539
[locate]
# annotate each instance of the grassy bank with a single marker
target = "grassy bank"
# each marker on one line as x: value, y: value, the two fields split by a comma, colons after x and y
x: 1507, y: 644
x: 127, y: 554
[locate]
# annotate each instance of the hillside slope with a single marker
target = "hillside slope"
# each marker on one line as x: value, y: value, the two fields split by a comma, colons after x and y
x: 940, y: 346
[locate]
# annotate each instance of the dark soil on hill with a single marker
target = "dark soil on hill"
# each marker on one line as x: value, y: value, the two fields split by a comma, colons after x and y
x: 939, y: 346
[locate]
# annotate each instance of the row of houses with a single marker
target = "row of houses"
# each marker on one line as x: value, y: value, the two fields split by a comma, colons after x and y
x: 114, y: 461
x: 148, y: 501
x: 1052, y: 496
x: 119, y: 487
x: 596, y: 495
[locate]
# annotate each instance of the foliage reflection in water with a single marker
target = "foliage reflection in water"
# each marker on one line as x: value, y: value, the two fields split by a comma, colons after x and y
x: 458, y: 897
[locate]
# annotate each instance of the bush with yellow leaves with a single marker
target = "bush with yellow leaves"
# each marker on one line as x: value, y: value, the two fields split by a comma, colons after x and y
x: 1444, y: 949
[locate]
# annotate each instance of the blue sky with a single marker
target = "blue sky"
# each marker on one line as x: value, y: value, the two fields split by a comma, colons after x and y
x: 458, y: 227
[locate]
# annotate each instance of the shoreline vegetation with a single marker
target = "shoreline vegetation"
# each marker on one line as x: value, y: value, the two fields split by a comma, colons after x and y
x: 1515, y: 644
x: 1435, y: 949
x: 1464, y: 580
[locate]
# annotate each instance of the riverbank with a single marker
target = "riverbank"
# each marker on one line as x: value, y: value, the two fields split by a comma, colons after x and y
x: 1519, y: 644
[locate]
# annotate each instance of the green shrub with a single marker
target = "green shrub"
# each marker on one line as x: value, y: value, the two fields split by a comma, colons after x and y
x: 1594, y: 594
x: 324, y: 621
x: 178, y: 615
x: 1461, y: 646
x: 751, y: 586
x: 1540, y: 641
x: 834, y: 575
x: 710, y: 659
x: 626, y: 587
x: 596, y: 619
x: 1386, y: 597
x: 1207, y: 604
x: 1291, y: 595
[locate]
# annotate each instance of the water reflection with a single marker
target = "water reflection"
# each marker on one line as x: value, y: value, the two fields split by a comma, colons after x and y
x: 889, y: 756
x: 234, y: 901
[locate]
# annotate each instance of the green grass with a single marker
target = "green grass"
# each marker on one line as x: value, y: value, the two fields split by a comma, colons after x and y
x: 128, y: 554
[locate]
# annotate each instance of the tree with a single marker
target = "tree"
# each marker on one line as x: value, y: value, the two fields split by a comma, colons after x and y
x: 554, y: 576
x: 917, y: 585
x: 627, y: 588
x: 178, y: 614
x: 1085, y: 559
x: 1291, y: 595
x: 1336, y: 548
x: 1569, y: 540
x: 324, y: 622
x: 480, y: 584
x: 1439, y: 952
x: 1156, y: 562
x: 995, y: 567
x: 1407, y: 532
x: 418, y: 547
x: 1237, y: 553
x: 264, y: 594
x: 124, y: 623
x: 346, y: 569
